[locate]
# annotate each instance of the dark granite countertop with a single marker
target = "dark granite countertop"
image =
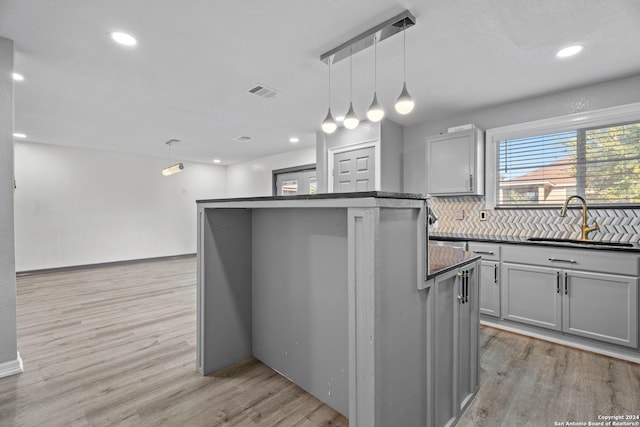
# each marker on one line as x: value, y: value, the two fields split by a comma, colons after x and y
x: 444, y: 258
x: 354, y: 195
x: 522, y: 240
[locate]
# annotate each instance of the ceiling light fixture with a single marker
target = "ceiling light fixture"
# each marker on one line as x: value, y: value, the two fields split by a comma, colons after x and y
x: 351, y: 120
x: 123, y: 38
x: 371, y: 37
x: 569, y: 51
x: 404, y: 104
x: 294, y: 140
x: 216, y: 160
x: 19, y: 135
x: 375, y: 112
x: 329, y: 124
x: 17, y: 77
x: 178, y: 167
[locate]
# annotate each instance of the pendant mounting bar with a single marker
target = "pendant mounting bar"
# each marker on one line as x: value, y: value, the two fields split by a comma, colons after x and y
x: 362, y: 41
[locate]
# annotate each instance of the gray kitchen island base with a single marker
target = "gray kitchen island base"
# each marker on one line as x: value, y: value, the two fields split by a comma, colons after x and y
x: 332, y: 292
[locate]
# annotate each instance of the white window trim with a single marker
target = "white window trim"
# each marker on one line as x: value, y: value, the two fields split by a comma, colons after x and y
x: 605, y: 116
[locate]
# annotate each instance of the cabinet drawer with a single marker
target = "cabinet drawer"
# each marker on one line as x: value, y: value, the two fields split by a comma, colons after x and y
x: 580, y: 259
x: 488, y: 251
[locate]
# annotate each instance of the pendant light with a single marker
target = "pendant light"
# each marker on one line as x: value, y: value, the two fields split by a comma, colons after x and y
x: 375, y: 113
x: 329, y: 125
x: 404, y: 104
x: 178, y: 167
x: 351, y: 121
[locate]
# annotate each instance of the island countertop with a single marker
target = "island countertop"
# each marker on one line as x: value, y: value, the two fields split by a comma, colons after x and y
x: 443, y: 259
x: 322, y: 196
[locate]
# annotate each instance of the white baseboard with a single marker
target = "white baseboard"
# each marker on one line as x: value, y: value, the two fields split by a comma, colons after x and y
x: 11, y: 367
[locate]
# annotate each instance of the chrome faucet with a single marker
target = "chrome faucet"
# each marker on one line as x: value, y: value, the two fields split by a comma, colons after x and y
x: 585, y: 227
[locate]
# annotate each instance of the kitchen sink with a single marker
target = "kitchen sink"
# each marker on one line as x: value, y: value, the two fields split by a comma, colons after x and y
x: 581, y: 242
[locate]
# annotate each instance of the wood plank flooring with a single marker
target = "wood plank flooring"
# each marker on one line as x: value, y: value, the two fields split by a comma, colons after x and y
x: 530, y: 382
x: 115, y: 346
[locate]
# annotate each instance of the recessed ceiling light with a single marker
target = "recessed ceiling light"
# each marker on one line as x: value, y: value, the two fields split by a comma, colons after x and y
x: 216, y: 160
x: 242, y: 138
x: 123, y: 38
x: 339, y: 118
x: 294, y: 140
x: 569, y: 51
x: 18, y: 77
x: 19, y: 135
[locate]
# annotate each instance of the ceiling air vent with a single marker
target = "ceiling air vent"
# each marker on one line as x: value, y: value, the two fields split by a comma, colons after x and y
x: 263, y: 91
x: 242, y: 138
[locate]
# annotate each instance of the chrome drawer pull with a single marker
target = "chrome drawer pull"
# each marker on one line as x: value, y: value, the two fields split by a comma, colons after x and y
x: 483, y: 253
x: 570, y: 261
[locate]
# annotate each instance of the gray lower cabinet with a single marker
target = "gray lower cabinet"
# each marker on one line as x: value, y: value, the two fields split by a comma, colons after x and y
x: 490, y: 288
x: 603, y: 307
x: 455, y: 343
x: 599, y: 306
x: 530, y: 295
x: 489, y: 277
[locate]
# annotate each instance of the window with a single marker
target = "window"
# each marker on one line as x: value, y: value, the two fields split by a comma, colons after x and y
x: 295, y: 180
x: 600, y: 163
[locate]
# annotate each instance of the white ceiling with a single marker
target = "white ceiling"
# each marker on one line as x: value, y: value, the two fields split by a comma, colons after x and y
x: 188, y: 77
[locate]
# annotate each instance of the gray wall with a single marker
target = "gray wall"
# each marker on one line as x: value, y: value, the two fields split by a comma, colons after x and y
x: 390, y: 137
x: 602, y: 95
x: 8, y: 341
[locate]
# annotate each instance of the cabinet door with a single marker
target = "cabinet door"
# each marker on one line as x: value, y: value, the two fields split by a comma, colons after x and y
x: 490, y: 288
x: 449, y: 162
x: 532, y: 295
x: 601, y: 306
x: 446, y: 290
x: 468, y: 324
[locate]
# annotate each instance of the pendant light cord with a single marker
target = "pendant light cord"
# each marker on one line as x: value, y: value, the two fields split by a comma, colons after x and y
x: 329, y: 82
x: 404, y: 50
x: 350, y: 74
x: 375, y: 63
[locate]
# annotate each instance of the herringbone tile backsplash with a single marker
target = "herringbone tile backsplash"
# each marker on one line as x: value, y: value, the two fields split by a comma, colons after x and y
x: 615, y: 224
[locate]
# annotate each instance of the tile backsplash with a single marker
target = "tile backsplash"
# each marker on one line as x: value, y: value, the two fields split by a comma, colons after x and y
x: 615, y: 224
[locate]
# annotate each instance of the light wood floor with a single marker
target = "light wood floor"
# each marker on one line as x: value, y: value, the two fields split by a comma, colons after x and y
x: 116, y: 346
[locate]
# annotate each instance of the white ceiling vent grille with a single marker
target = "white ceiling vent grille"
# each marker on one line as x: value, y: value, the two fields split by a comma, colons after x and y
x: 242, y: 138
x: 263, y: 91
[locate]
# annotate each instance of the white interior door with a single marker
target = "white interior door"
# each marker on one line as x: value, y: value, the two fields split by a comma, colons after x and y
x: 354, y: 170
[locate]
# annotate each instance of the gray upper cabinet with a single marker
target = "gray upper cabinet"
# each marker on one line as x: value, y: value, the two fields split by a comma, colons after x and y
x: 455, y: 163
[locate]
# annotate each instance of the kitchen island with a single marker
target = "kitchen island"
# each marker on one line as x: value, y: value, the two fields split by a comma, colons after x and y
x: 335, y: 292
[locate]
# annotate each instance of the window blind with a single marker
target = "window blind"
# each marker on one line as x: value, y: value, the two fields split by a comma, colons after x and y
x: 601, y: 164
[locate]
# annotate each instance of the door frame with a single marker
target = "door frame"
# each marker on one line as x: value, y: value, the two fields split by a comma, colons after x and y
x: 276, y: 172
x: 375, y: 143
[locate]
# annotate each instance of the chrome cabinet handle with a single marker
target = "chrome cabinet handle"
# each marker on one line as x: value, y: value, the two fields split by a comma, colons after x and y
x: 483, y: 253
x: 557, y: 282
x: 495, y: 273
x: 570, y: 261
x: 467, y: 287
x: 566, y: 286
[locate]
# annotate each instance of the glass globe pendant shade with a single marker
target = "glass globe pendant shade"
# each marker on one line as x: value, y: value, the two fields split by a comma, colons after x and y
x: 375, y: 112
x: 351, y: 121
x: 329, y: 125
x: 404, y: 104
